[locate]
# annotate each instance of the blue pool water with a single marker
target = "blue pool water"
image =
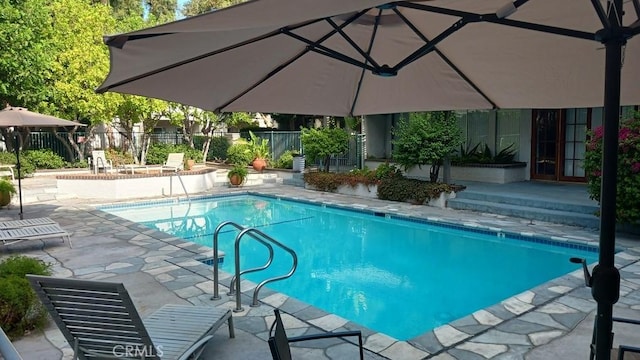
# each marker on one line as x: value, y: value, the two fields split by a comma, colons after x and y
x: 400, y: 277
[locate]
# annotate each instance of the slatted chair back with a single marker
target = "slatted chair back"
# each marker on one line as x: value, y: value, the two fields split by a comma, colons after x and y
x: 175, y: 161
x: 97, y: 318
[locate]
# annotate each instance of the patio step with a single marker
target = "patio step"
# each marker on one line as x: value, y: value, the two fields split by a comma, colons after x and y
x: 528, y: 211
x: 528, y: 200
x: 295, y: 180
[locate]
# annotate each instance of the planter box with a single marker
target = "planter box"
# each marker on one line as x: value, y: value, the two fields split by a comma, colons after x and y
x: 491, y: 173
x: 371, y: 191
x: 359, y: 190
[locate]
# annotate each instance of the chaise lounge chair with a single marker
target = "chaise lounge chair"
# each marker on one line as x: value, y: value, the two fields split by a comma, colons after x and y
x: 13, y: 224
x: 99, y: 320
x: 10, y: 236
x: 279, y: 343
x: 175, y: 162
x: 99, y: 161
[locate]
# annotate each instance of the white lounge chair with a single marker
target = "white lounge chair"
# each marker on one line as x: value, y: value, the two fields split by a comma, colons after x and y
x: 175, y: 162
x: 15, y: 235
x: 12, y: 224
x: 99, y: 161
x: 99, y: 320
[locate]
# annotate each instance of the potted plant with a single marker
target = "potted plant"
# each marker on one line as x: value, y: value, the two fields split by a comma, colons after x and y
x: 6, y: 190
x: 260, y: 150
x: 237, y: 174
x: 189, y: 162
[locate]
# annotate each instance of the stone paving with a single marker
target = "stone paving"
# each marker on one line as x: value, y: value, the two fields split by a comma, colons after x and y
x: 158, y: 268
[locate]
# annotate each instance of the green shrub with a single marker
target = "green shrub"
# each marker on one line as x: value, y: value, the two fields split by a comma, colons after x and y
x: 477, y: 155
x: 20, y: 309
x: 426, y: 139
x: 327, y: 181
x: 118, y: 157
x: 411, y: 190
x: 44, y: 159
x: 387, y: 170
x: 158, y: 153
x: 77, y: 164
x: 239, y: 153
x: 320, y: 144
x: 628, y: 171
x: 285, y: 161
x: 218, y: 148
x: 26, y: 166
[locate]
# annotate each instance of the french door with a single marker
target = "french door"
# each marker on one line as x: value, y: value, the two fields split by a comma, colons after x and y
x: 558, y: 144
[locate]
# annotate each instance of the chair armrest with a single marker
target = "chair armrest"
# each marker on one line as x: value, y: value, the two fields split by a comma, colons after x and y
x: 187, y: 354
x: 626, y: 321
x: 325, y: 335
x: 340, y: 334
x: 627, y: 349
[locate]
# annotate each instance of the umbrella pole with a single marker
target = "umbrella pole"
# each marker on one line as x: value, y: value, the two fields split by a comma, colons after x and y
x: 16, y: 146
x: 606, y: 277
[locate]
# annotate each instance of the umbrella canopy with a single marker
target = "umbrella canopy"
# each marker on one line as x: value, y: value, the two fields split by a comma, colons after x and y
x: 20, y: 117
x: 359, y: 57
x: 271, y: 56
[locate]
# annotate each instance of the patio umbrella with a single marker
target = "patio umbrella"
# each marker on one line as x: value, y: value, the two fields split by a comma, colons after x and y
x: 359, y: 57
x: 17, y: 117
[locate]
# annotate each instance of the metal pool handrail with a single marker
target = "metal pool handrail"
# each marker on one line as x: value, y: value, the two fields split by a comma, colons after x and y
x: 216, y: 294
x: 250, y: 232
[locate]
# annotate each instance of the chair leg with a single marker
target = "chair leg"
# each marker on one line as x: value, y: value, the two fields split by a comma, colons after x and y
x: 232, y: 332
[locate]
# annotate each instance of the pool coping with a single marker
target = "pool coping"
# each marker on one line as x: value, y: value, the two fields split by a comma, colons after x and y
x: 472, y: 333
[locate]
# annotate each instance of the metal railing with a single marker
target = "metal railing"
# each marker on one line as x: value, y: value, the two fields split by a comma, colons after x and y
x: 184, y: 188
x: 234, y: 286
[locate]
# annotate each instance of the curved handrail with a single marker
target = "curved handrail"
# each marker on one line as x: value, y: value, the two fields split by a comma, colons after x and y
x: 216, y: 293
x: 232, y: 284
x: 294, y: 266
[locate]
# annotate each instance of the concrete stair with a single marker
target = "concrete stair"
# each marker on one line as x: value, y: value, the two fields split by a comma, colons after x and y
x: 295, y: 180
x: 542, y: 208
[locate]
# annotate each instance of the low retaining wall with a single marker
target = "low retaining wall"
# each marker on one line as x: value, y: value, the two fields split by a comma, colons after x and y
x: 491, y: 173
x: 371, y: 191
x: 120, y: 187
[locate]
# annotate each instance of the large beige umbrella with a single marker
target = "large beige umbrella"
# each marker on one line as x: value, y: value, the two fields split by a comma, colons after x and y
x: 355, y: 57
x: 17, y: 117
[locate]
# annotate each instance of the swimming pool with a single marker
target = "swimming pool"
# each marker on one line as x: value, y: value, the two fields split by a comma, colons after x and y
x: 401, y: 277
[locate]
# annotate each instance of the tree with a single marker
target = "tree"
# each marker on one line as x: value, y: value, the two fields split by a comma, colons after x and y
x: 628, y: 184
x: 26, y: 52
x: 426, y: 138
x: 320, y: 144
x: 81, y: 64
x: 134, y: 110
x: 197, y: 7
x: 162, y: 10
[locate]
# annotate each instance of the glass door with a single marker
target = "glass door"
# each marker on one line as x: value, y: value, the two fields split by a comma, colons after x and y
x: 545, y: 144
x: 576, y: 122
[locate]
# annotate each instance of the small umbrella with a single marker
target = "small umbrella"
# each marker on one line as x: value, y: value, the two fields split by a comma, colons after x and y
x: 19, y: 117
x: 359, y: 57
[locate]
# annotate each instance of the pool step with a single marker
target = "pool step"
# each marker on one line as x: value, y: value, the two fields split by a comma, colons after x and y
x: 532, y: 209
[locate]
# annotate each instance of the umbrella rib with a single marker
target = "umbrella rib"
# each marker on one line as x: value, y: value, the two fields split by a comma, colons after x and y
x: 104, y: 89
x: 601, y: 13
x: 356, y: 95
x: 265, y: 78
x: 364, y: 54
x: 323, y: 50
x: 446, y: 59
x: 493, y: 18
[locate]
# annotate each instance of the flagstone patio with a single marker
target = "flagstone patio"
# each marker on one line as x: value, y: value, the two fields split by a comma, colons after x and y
x: 552, y: 321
